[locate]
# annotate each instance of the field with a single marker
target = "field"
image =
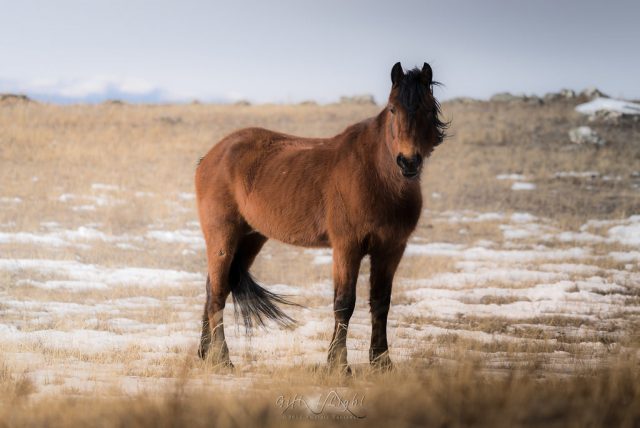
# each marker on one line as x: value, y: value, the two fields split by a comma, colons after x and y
x: 517, y: 301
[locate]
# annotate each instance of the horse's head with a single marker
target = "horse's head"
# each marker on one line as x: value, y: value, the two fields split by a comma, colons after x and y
x: 414, y: 127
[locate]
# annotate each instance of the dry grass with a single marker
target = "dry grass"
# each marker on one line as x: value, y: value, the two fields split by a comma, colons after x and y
x: 454, y: 395
x: 138, y: 367
x: 494, y: 138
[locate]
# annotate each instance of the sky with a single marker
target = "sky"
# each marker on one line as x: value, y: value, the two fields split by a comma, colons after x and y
x: 291, y: 51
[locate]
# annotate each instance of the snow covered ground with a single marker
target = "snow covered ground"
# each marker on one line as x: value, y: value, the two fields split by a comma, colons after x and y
x: 73, y: 324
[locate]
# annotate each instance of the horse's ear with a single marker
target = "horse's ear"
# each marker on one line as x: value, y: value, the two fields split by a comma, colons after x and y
x: 426, y: 74
x: 396, y: 73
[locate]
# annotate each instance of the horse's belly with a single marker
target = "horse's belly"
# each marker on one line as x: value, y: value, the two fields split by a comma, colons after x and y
x: 281, y: 196
x: 287, y: 222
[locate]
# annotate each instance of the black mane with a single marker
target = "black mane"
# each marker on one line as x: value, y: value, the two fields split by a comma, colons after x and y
x: 416, y: 96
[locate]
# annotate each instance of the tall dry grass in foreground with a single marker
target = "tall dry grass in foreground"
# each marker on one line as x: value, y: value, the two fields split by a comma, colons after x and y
x: 459, y: 395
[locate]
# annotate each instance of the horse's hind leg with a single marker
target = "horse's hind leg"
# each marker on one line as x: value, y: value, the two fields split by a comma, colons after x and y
x: 242, y: 255
x: 222, y: 240
x: 205, y: 337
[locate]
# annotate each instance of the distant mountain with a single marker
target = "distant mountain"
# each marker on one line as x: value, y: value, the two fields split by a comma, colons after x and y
x: 153, y: 97
x: 98, y: 89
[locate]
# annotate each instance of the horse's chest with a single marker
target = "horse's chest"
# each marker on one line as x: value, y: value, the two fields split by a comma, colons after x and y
x: 373, y: 213
x: 395, y: 220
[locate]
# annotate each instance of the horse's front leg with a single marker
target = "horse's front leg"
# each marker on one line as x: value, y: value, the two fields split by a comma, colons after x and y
x: 383, y: 267
x: 346, y: 265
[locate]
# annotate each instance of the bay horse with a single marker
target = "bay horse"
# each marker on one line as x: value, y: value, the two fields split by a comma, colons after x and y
x: 357, y: 193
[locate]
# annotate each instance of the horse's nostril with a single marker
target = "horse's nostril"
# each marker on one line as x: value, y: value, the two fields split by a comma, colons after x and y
x: 418, y: 160
x: 401, y: 161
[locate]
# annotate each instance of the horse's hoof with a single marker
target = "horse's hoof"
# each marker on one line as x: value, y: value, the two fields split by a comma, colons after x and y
x: 226, y: 364
x: 383, y: 367
x: 202, y: 353
x: 382, y: 363
x: 341, y: 369
x: 221, y: 364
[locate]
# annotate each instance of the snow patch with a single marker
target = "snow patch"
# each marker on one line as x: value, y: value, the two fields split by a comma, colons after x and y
x: 469, y: 217
x: 485, y: 276
x: 102, y: 186
x: 10, y: 200
x: 629, y: 233
x: 182, y: 236
x: 609, y: 104
x: 85, y: 276
x: 63, y: 238
x: 321, y: 256
x: 100, y: 201
x: 510, y: 177
x: 433, y: 249
x: 541, y: 252
x: 576, y: 174
x: 523, y: 231
x: 630, y: 256
x: 523, y: 217
x: 522, y: 185
x: 577, y: 298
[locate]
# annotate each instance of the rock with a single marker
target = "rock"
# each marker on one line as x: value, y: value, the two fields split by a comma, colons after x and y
x: 534, y: 100
x: 607, y: 116
x: 509, y: 97
x: 551, y: 96
x: 170, y: 120
x: 242, y: 103
x: 503, y: 97
x: 564, y: 94
x: 567, y: 93
x: 585, y: 135
x: 592, y: 93
x: 14, y: 98
x: 364, y: 99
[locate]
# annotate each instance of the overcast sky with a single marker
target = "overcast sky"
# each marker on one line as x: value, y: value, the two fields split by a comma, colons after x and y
x: 288, y: 51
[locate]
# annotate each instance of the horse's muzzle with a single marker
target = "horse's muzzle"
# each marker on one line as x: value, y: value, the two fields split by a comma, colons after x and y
x: 410, y: 166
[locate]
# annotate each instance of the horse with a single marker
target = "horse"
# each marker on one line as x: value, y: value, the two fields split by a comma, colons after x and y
x: 358, y: 193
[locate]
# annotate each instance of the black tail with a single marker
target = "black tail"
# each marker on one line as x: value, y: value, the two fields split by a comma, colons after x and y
x: 254, y: 303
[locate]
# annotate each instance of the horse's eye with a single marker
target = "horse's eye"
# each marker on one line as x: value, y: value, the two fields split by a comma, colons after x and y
x: 392, y: 109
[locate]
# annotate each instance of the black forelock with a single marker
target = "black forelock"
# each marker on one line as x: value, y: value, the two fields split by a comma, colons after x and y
x: 412, y: 92
x: 415, y: 95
